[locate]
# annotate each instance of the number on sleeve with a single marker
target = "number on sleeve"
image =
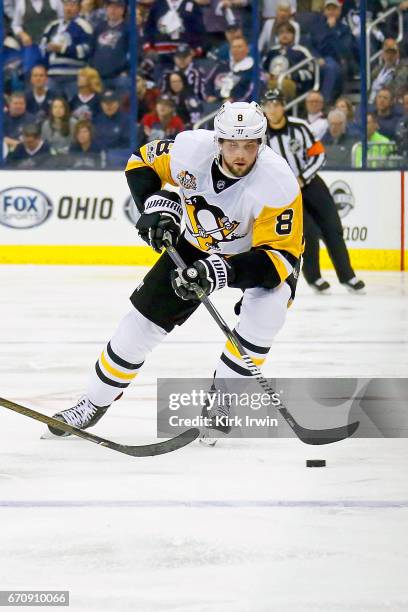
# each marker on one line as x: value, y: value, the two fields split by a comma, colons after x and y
x: 163, y: 146
x: 284, y: 222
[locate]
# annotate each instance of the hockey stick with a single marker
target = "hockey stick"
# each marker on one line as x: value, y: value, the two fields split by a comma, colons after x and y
x: 147, y: 450
x: 308, y: 436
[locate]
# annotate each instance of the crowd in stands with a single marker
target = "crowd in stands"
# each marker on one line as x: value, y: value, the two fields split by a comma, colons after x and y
x: 67, y: 78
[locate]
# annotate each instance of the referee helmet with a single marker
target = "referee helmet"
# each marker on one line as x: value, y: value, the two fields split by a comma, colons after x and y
x: 273, y: 95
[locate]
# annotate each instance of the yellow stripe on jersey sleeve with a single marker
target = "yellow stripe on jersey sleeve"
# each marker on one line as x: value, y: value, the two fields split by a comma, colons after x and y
x: 155, y: 155
x: 280, y: 229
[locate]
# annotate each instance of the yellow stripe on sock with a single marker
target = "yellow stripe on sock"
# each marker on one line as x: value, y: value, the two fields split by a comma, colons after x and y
x: 114, y: 371
x: 231, y: 349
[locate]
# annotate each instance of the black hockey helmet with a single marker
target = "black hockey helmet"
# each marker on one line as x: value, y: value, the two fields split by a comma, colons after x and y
x: 273, y: 95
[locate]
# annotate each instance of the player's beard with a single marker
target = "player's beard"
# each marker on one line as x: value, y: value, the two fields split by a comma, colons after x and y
x: 237, y: 171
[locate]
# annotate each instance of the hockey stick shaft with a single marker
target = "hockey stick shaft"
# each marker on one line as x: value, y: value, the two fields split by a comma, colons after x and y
x: 146, y: 450
x: 325, y: 436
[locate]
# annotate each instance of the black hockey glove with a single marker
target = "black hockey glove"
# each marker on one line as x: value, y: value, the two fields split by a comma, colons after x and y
x: 161, y: 219
x: 210, y: 274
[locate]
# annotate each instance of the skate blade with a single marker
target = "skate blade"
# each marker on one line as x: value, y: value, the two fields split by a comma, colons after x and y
x: 356, y: 291
x: 206, y: 441
x: 324, y: 292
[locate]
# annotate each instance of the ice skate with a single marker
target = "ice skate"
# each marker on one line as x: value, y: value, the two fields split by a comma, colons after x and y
x: 320, y: 286
x: 218, y: 419
x: 355, y: 285
x: 83, y: 415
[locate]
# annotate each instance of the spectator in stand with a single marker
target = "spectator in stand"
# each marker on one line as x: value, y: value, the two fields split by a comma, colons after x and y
x: 222, y: 52
x: 171, y: 23
x: 86, y: 104
x: 345, y: 105
x: 146, y: 97
x: 379, y: 147
x: 32, y: 153
x: 111, y: 47
x: 163, y: 122
x: 112, y: 126
x: 392, y: 72
x: 30, y: 18
x: 270, y: 7
x: 401, y: 134
x: 351, y: 16
x: 403, y: 6
x: 66, y: 44
x: 84, y: 153
x: 141, y: 17
x: 315, y: 115
x: 337, y: 142
x: 12, y: 59
x: 93, y: 11
x: 184, y: 63
x: 16, y: 118
x: 58, y: 129
x: 188, y: 106
x: 321, y: 40
x: 218, y: 15
x: 39, y: 97
x: 387, y: 112
x: 345, y: 43
x: 383, y: 75
x: 233, y: 80
x: 269, y: 35
x: 285, y: 55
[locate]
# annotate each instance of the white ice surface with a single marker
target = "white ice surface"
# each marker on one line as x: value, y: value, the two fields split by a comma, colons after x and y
x: 244, y: 527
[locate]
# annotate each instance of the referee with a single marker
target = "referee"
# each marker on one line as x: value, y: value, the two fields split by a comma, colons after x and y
x: 292, y: 138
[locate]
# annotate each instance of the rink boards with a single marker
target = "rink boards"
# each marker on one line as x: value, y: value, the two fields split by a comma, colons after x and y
x: 76, y: 217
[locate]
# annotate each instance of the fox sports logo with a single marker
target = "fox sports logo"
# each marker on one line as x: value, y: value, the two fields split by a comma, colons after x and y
x: 24, y: 207
x: 343, y: 197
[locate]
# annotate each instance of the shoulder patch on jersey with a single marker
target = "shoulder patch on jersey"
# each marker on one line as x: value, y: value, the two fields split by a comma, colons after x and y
x: 151, y: 151
x: 187, y: 180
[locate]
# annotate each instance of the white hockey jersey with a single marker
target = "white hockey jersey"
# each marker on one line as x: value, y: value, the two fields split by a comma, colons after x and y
x: 261, y: 210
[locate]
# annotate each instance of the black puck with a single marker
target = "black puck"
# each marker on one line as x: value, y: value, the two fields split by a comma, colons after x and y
x: 315, y: 462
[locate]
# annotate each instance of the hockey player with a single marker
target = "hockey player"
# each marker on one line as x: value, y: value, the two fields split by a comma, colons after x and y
x: 243, y: 212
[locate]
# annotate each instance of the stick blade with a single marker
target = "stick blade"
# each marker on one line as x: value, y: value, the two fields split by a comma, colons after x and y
x: 318, y: 437
x: 159, y: 448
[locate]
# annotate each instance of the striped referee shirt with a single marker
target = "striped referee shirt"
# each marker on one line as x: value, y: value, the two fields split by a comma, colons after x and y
x: 296, y: 143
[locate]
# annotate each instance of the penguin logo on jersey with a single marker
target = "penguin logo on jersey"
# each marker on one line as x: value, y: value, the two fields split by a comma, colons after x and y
x: 343, y: 197
x: 209, y: 224
x: 187, y: 180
